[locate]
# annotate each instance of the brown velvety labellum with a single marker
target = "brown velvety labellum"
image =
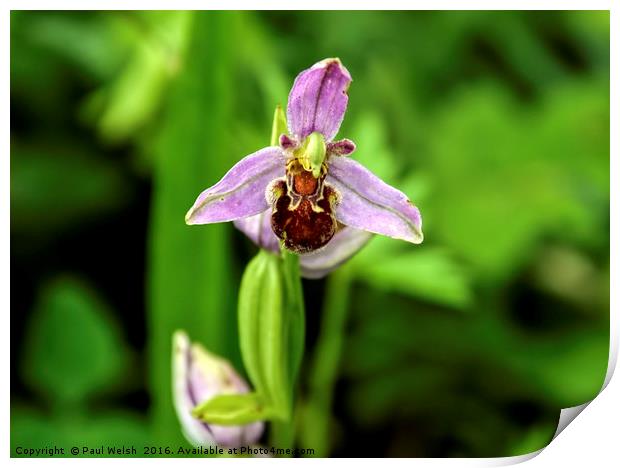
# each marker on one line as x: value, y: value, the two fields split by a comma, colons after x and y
x: 305, y: 183
x: 303, y: 218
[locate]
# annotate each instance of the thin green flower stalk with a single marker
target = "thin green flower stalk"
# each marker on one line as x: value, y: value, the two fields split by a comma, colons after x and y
x: 324, y: 366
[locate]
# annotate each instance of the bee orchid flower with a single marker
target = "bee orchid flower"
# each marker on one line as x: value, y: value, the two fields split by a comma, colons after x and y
x: 307, y: 193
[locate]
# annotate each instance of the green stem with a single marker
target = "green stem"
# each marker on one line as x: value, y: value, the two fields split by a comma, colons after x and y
x: 295, y: 313
x: 326, y: 362
x: 283, y: 432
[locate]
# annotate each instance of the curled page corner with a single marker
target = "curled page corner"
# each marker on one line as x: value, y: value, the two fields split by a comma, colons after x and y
x: 568, y: 415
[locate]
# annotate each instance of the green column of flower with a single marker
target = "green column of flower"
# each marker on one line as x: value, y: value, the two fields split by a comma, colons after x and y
x: 190, y: 285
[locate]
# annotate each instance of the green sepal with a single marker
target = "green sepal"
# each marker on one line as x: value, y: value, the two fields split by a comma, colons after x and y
x: 251, y: 300
x: 234, y: 410
x: 262, y: 331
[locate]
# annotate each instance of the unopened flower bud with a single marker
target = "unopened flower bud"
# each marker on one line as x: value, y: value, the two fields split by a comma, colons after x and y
x: 199, y: 376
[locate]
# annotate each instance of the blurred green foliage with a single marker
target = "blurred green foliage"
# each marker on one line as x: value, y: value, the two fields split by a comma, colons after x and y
x: 190, y: 270
x: 73, y: 354
x: 496, y: 124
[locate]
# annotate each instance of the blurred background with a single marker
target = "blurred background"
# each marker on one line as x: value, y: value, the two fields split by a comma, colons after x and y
x: 496, y: 124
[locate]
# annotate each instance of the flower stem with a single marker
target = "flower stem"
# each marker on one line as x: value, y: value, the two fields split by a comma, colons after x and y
x: 326, y: 362
x: 295, y: 313
x: 283, y: 432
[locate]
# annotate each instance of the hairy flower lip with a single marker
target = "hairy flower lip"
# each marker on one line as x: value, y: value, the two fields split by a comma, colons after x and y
x: 365, y: 204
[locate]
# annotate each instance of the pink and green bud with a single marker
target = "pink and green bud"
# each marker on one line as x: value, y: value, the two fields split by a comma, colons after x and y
x: 198, y: 377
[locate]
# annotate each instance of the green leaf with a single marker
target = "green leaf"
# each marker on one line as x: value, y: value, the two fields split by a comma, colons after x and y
x: 72, y: 347
x: 126, y: 103
x: 568, y: 371
x: 535, y: 438
x: 428, y: 272
x: 34, y: 428
x: 372, y: 146
x: 234, y: 410
x: 53, y: 188
x: 503, y: 177
x: 85, y: 40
